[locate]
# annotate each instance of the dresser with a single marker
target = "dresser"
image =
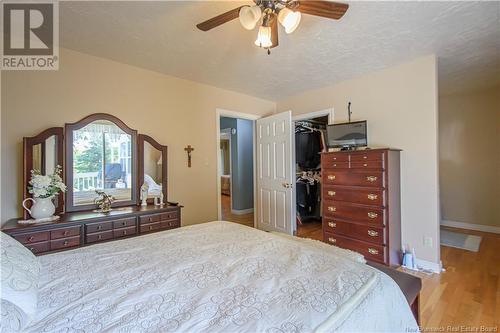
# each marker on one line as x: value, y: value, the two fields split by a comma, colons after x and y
x: 361, y: 202
x: 88, y: 227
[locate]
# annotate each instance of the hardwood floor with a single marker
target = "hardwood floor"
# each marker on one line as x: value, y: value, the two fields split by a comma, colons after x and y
x: 227, y: 215
x: 466, y: 295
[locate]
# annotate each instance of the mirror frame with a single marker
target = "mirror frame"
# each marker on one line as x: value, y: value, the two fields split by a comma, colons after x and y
x: 28, y: 143
x: 141, y: 139
x: 69, y: 128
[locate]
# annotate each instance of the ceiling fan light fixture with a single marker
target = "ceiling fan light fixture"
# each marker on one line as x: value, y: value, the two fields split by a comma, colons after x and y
x: 249, y: 16
x: 264, y: 39
x: 289, y: 19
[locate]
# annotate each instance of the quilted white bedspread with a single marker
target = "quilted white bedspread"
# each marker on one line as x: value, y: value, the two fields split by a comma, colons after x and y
x: 215, y: 277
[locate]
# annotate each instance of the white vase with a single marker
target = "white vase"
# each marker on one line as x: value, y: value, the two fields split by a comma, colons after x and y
x: 42, y: 207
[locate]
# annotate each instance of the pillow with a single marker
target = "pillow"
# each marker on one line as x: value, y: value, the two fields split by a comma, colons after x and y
x: 20, y: 270
x: 13, y: 319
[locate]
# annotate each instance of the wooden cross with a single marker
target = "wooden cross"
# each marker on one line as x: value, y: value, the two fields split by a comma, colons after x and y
x: 189, y: 149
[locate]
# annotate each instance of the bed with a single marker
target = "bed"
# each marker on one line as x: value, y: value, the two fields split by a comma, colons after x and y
x: 214, y: 277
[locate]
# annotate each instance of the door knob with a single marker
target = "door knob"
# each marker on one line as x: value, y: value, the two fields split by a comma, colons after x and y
x: 287, y: 185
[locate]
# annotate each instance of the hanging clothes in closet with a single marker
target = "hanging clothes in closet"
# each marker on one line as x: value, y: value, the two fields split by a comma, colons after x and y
x: 309, y: 143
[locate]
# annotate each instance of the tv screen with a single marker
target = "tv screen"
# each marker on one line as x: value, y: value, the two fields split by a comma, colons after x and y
x: 347, y: 135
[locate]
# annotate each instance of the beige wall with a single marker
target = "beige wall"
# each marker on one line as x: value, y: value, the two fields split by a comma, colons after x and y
x: 173, y: 111
x: 469, y: 139
x: 400, y: 104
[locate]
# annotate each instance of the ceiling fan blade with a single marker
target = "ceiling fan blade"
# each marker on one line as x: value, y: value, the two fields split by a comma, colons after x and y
x: 220, y: 19
x: 332, y: 10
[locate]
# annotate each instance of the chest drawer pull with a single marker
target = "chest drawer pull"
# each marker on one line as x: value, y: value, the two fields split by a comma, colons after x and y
x: 124, y: 232
x: 332, y: 209
x: 31, y: 238
x: 372, y: 215
x: 99, y: 237
x: 372, y: 233
x: 150, y: 227
x: 66, y: 233
x: 332, y: 240
x: 331, y: 177
x: 99, y: 227
x: 32, y: 249
x: 331, y: 193
x: 371, y: 179
x: 372, y: 196
x: 365, y: 157
x: 65, y: 242
x: 372, y: 250
x: 332, y: 224
x: 365, y: 164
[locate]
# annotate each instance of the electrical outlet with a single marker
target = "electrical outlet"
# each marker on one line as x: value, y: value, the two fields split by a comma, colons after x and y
x: 427, y: 241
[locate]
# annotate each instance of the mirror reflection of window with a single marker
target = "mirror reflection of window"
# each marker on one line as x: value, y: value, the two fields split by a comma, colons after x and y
x: 45, y: 156
x: 153, y: 164
x: 102, y: 160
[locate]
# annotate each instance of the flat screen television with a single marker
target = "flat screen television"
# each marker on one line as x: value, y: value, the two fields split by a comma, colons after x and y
x: 347, y: 135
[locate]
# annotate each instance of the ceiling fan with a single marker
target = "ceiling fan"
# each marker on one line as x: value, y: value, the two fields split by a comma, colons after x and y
x: 270, y: 12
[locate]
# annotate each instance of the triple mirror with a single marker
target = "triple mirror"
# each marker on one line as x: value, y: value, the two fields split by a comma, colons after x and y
x: 101, y: 153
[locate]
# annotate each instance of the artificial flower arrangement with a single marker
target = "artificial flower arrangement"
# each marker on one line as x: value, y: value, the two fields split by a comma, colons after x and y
x: 46, y: 186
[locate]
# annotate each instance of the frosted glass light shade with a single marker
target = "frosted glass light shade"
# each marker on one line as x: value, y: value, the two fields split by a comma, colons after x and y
x: 249, y: 16
x: 264, y: 37
x: 289, y: 19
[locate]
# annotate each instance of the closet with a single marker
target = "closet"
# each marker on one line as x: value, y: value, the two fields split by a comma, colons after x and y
x: 309, y: 143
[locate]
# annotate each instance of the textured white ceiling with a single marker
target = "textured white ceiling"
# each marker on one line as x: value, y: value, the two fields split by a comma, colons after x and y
x: 162, y: 36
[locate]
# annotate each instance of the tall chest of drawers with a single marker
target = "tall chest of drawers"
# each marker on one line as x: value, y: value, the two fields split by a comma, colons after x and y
x: 361, y: 202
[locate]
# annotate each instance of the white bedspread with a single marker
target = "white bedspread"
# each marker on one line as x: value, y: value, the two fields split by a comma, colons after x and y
x: 219, y: 277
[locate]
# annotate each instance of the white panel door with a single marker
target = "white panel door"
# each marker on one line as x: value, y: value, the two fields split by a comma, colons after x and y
x: 274, y: 173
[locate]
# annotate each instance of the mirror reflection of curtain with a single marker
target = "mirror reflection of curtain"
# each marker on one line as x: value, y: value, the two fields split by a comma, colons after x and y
x: 225, y: 157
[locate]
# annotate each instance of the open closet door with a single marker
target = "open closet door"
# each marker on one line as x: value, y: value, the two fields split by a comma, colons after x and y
x: 274, y: 173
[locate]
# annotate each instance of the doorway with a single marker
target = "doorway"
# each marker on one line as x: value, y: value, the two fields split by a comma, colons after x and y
x: 235, y: 171
x: 310, y: 141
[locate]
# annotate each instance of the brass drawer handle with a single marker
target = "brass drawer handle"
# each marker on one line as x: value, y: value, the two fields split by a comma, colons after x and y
x: 372, y: 250
x: 31, y: 238
x: 99, y: 237
x: 365, y: 165
x: 372, y: 233
x: 371, y: 179
x: 331, y: 177
x: 66, y: 233
x: 332, y: 224
x: 372, y: 196
x: 334, y: 164
x: 332, y: 240
x: 99, y: 227
x: 331, y: 193
x: 332, y: 209
x: 372, y: 215
x: 365, y: 157
x: 334, y: 158
x: 150, y: 227
x: 124, y: 232
x: 65, y: 243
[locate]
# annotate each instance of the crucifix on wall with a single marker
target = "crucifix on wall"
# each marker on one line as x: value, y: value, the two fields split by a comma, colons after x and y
x: 189, y: 149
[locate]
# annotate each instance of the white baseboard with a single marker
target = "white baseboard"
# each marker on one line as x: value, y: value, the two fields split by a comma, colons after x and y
x: 242, y: 211
x: 471, y: 226
x: 429, y: 265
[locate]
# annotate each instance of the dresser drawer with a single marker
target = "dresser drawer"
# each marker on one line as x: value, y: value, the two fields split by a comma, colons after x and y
x: 32, y: 237
x: 169, y: 224
x: 65, y: 232
x: 149, y: 227
x: 98, y: 227
x: 367, y: 156
x: 99, y: 236
x: 357, y: 231
x: 369, y: 251
x: 169, y: 216
x: 123, y: 223
x: 346, y: 211
x: 149, y: 218
x: 352, y: 178
x: 64, y: 243
x: 363, y: 196
x: 333, y: 158
x: 123, y: 232
x: 378, y: 165
x: 37, y: 248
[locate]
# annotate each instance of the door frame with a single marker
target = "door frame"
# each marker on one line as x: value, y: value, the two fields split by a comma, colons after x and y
x: 330, y: 112
x: 240, y: 115
x: 227, y: 134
